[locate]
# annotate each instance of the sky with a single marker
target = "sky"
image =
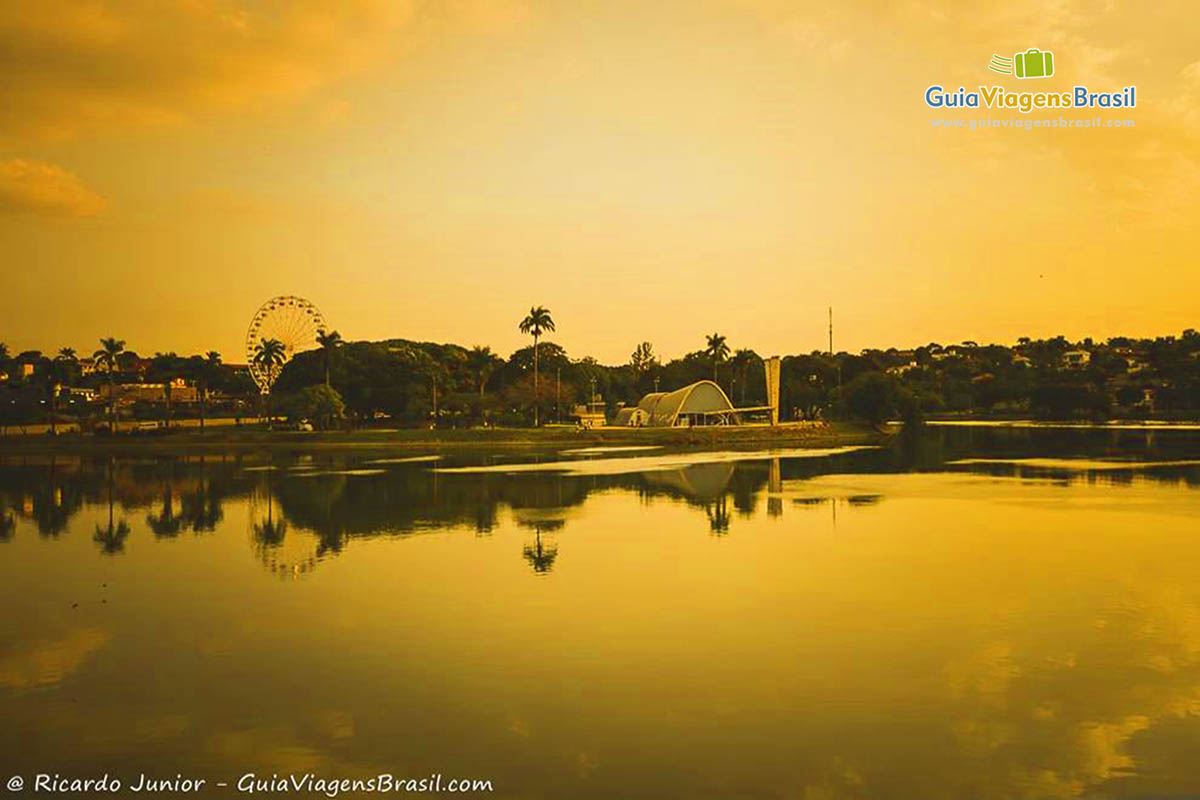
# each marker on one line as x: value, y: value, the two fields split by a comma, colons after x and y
x: 430, y: 169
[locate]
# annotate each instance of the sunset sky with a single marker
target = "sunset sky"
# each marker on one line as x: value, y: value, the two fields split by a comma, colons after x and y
x: 647, y: 170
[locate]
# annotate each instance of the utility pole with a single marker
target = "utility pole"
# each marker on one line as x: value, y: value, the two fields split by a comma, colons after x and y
x: 557, y: 392
x: 837, y: 362
x: 831, y: 330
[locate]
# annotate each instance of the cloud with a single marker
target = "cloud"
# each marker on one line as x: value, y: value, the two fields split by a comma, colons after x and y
x: 78, y: 67
x: 36, y: 187
x: 48, y: 662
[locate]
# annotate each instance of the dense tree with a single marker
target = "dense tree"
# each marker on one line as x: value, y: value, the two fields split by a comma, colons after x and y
x: 483, y: 362
x: 320, y: 404
x: 205, y: 371
x: 410, y: 382
x: 745, y: 363
x: 871, y: 397
x: 165, y: 368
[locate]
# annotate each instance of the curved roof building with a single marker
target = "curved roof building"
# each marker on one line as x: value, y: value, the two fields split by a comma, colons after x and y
x: 701, y: 403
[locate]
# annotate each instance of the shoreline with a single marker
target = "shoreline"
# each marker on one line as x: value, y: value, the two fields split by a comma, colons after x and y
x: 1109, y: 425
x: 224, y: 438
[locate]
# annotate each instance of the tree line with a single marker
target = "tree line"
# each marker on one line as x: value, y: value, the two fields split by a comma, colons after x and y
x: 413, y: 383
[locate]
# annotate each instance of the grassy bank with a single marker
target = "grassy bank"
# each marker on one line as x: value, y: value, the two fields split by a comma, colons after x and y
x: 255, y: 438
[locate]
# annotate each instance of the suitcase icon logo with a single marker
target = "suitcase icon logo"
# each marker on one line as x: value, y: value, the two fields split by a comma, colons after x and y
x: 1033, y: 63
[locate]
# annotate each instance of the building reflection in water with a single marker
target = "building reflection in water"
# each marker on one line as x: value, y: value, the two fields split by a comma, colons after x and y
x: 705, y: 485
x: 775, y: 489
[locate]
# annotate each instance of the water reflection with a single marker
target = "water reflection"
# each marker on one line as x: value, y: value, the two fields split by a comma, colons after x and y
x: 998, y: 629
x: 111, y: 538
x: 326, y: 501
x: 539, y: 554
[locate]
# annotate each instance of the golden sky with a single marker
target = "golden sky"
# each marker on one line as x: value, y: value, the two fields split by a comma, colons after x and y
x: 429, y: 169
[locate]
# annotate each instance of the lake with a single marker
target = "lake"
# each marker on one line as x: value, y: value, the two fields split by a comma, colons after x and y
x: 966, y: 613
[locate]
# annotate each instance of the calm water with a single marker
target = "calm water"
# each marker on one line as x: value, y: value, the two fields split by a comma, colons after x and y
x: 970, y: 614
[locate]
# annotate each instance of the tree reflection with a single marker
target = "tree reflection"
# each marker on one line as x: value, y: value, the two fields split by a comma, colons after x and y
x: 332, y: 496
x: 270, y: 532
x: 541, y: 554
x: 284, y: 553
x: 112, y: 538
x: 718, y: 515
x: 201, y: 509
x: 165, y: 524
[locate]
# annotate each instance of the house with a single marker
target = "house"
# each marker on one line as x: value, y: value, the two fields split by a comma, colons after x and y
x: 591, y: 415
x: 1076, y: 359
x: 127, y: 393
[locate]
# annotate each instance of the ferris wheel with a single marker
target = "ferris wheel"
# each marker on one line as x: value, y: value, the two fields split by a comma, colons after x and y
x: 293, y: 321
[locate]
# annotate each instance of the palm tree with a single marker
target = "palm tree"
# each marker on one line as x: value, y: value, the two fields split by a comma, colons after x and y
x: 535, y: 324
x: 717, y: 350
x: 110, y: 348
x: 206, y: 370
x: 743, y: 361
x: 482, y: 361
x: 66, y: 354
x: 329, y: 342
x: 269, y: 354
x: 643, y: 359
